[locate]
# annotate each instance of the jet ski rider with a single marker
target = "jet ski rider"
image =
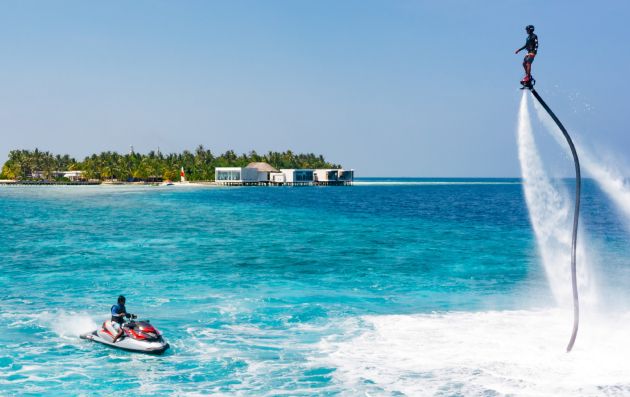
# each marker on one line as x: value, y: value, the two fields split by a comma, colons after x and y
x: 531, y: 45
x: 119, y: 312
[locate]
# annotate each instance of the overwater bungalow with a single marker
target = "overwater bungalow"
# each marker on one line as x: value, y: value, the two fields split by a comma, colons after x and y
x: 265, y: 174
x: 333, y: 176
x: 256, y: 173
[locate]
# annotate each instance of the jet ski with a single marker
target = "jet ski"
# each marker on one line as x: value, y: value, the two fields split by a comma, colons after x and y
x: 138, y: 336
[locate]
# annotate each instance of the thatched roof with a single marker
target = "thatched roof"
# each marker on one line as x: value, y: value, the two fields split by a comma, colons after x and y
x: 262, y: 167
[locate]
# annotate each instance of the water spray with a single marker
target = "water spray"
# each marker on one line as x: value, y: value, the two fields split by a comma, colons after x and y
x: 608, y: 176
x: 576, y: 214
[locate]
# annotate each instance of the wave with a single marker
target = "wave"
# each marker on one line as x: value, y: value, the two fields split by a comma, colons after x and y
x: 480, y: 353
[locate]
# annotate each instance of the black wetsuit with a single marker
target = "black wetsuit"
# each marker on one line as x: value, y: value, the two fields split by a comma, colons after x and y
x: 531, y: 45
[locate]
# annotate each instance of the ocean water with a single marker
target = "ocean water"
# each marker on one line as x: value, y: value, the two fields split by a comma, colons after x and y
x: 391, y: 287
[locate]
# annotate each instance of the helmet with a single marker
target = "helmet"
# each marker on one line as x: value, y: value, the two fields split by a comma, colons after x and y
x: 529, y: 28
x: 121, y: 300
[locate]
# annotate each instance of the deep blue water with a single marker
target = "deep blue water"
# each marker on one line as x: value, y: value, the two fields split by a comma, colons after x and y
x: 246, y: 282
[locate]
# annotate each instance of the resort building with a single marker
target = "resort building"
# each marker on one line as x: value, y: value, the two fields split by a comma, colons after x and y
x: 277, y: 178
x: 306, y: 176
x: 235, y: 175
x: 254, y: 173
x: 264, y: 171
x: 37, y: 175
x: 333, y: 176
x: 297, y: 176
x: 265, y: 174
x: 74, y: 176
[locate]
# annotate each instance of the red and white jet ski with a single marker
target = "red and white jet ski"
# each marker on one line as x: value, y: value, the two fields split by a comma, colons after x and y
x: 138, y: 336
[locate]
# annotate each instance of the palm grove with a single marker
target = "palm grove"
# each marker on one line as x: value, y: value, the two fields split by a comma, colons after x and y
x: 198, y: 165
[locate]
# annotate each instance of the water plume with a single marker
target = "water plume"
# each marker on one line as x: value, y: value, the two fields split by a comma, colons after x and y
x: 551, y: 216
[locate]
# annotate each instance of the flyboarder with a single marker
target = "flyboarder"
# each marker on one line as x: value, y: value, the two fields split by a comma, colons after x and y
x: 531, y: 45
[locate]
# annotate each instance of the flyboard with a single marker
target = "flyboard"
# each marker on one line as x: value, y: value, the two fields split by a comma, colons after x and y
x: 529, y: 84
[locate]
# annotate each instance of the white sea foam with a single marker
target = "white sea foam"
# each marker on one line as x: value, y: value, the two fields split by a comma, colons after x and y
x: 517, y: 353
x: 551, y: 215
x: 65, y: 325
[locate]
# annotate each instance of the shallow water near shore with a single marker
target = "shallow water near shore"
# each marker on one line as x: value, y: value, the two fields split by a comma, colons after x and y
x: 389, y: 287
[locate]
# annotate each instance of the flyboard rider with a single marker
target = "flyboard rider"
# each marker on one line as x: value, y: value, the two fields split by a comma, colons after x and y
x: 119, y: 312
x: 531, y: 45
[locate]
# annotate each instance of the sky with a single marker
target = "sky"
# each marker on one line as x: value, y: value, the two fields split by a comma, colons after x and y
x: 389, y: 88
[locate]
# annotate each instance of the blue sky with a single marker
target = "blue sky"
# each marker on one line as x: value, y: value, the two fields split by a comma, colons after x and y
x: 390, y: 88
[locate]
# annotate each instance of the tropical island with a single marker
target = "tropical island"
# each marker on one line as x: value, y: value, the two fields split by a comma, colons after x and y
x: 198, y: 165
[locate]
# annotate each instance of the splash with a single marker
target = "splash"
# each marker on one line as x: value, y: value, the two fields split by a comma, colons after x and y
x: 610, y: 180
x: 550, y: 213
x: 480, y: 353
x: 606, y: 174
x: 66, y: 325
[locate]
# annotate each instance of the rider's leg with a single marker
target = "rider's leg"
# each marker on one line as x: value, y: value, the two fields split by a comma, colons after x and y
x: 528, y: 69
x: 114, y: 329
x: 120, y: 332
x: 525, y: 64
x: 109, y: 326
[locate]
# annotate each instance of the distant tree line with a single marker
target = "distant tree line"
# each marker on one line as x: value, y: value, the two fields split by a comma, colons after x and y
x: 198, y: 165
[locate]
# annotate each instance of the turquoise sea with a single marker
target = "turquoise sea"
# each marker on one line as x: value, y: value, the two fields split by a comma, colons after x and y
x: 389, y: 287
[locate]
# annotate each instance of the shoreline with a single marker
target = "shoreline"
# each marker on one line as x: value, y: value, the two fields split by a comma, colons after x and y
x: 367, y: 182
x: 9, y: 182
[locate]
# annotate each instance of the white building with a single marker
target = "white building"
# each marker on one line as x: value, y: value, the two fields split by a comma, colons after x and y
x: 235, y: 175
x: 38, y: 174
x: 299, y: 176
x: 277, y: 178
x: 264, y: 170
x: 263, y: 173
x: 73, y: 175
x: 333, y: 175
x: 253, y: 173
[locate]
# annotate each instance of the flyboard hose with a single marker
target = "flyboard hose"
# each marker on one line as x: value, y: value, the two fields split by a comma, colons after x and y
x: 576, y: 214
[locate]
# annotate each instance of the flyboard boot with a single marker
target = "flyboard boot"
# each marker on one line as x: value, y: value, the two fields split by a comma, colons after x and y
x: 528, y: 82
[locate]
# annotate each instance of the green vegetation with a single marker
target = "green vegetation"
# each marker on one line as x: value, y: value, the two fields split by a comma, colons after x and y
x: 199, y: 165
x: 23, y: 163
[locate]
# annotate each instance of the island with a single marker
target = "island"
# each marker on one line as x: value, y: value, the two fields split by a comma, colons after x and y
x: 155, y: 167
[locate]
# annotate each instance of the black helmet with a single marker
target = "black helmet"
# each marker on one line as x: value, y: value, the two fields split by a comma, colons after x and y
x: 529, y: 28
x: 121, y: 300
